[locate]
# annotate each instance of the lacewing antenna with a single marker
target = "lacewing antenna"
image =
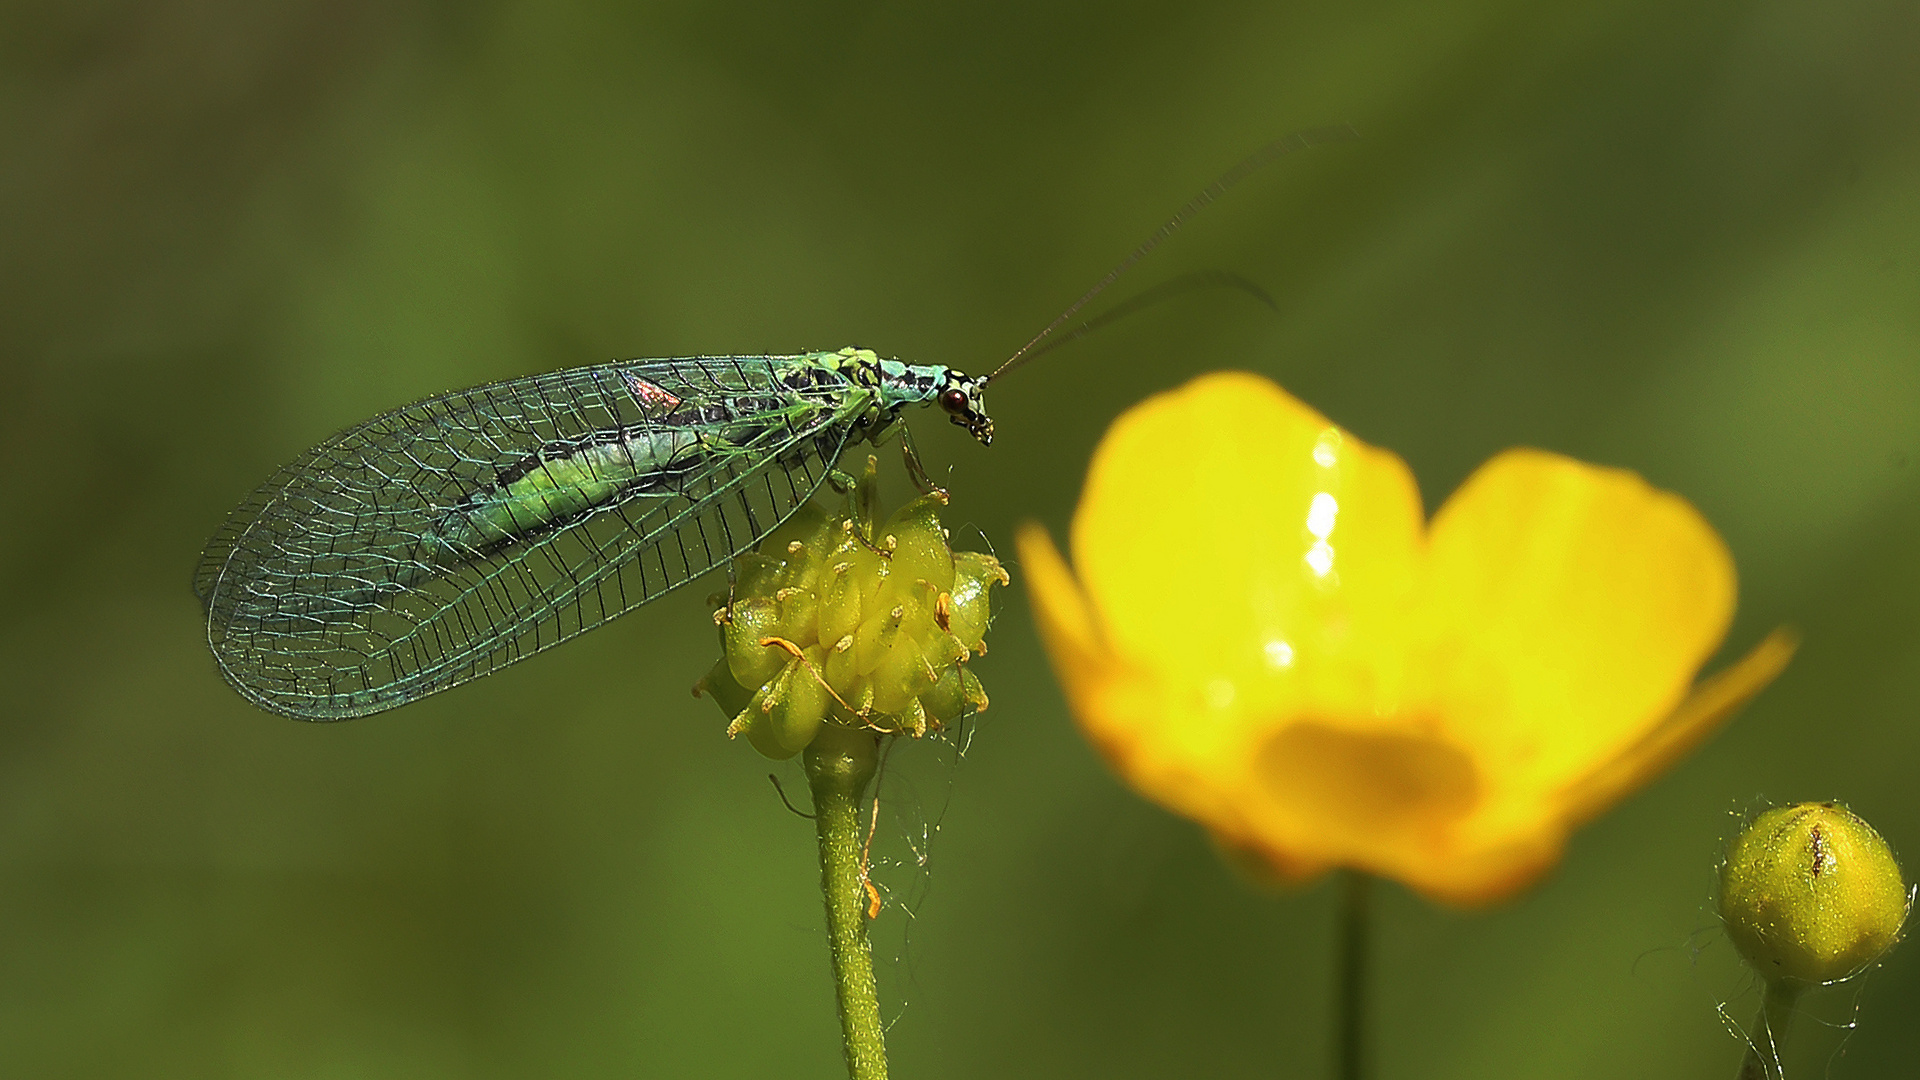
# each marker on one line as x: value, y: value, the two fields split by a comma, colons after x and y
x: 1146, y: 298
x: 1247, y: 166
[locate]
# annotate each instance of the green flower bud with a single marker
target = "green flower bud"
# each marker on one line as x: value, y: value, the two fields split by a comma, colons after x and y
x: 836, y: 620
x: 1810, y: 894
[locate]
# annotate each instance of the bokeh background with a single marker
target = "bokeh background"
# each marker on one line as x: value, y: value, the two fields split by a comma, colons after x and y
x: 1681, y: 238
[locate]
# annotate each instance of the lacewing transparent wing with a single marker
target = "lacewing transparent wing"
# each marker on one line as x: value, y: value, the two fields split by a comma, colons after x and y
x: 446, y: 539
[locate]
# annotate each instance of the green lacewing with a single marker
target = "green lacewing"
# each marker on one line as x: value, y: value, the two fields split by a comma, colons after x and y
x: 446, y: 539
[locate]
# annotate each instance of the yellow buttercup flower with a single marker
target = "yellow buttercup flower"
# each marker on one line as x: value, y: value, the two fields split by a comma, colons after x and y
x: 1262, y: 632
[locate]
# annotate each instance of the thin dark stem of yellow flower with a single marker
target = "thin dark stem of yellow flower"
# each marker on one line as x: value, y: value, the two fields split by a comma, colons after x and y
x: 1352, y: 943
x: 1769, y: 1034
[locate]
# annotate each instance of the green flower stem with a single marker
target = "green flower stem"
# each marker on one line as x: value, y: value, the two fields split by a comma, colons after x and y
x: 1769, y: 1032
x: 840, y: 763
x: 1350, y: 988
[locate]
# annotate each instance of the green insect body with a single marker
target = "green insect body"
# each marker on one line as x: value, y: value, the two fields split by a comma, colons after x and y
x: 443, y: 540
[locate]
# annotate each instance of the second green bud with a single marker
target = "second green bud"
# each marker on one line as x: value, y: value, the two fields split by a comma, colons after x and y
x: 1810, y: 894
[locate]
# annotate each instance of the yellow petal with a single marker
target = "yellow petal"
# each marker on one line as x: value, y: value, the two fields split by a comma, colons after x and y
x: 1145, y: 736
x: 1710, y: 705
x: 1241, y: 547
x: 1066, y: 628
x: 1570, y: 607
x: 1111, y: 716
x: 1490, y: 871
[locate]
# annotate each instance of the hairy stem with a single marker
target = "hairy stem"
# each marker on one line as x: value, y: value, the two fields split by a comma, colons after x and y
x: 840, y: 763
x: 1769, y: 1034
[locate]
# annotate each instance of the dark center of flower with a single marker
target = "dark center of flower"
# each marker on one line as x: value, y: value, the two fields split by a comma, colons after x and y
x: 1375, y: 791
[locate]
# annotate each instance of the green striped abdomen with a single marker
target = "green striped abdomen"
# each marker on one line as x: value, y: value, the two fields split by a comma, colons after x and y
x: 554, y: 490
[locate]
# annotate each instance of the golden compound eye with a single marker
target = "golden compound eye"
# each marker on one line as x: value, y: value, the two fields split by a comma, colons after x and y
x: 954, y: 401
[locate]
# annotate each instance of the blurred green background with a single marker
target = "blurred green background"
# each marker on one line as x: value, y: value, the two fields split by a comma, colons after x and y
x: 1682, y: 238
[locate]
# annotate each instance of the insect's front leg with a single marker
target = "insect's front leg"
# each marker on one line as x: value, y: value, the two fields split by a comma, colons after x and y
x: 863, y: 503
x: 915, y: 471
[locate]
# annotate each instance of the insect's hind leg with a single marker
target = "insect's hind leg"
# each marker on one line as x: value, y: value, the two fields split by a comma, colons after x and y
x: 724, y: 614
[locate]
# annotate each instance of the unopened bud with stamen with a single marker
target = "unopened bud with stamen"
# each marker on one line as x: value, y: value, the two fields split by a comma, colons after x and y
x: 838, y: 620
